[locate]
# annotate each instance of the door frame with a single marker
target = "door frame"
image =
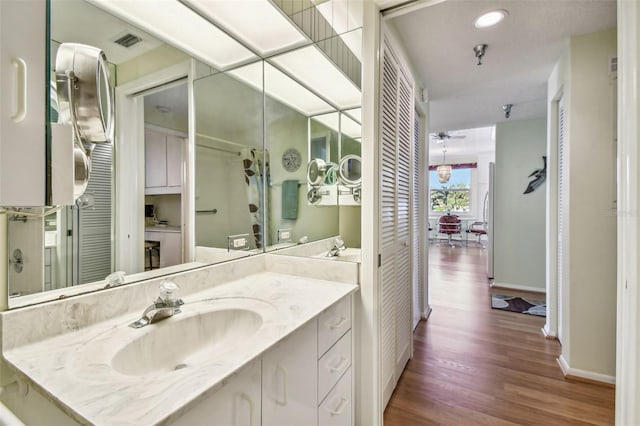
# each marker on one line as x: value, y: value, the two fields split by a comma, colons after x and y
x: 129, y: 160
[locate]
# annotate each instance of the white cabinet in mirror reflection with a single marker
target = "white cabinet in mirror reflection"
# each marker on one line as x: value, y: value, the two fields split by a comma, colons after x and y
x: 163, y: 162
x: 170, y: 249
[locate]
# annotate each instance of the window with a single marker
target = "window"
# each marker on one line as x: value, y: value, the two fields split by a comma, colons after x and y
x: 453, y: 196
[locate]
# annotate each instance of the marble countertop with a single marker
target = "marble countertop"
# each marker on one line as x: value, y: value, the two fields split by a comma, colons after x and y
x: 75, y: 371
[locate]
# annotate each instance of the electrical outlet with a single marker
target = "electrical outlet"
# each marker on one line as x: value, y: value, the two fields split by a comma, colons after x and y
x: 238, y: 242
x: 284, y: 235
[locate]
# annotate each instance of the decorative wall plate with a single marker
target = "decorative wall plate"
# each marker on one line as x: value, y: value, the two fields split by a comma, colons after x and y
x: 291, y: 160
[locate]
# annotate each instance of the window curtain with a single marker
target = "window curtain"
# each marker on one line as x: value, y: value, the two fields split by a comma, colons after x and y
x: 256, y: 176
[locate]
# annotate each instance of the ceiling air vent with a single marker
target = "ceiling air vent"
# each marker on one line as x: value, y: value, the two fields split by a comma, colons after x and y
x: 128, y: 40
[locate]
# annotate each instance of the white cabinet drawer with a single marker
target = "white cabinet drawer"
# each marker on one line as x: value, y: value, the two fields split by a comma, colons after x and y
x: 333, y: 364
x: 337, y: 408
x: 333, y: 323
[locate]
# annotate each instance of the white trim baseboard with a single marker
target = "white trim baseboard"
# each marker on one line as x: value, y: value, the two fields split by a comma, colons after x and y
x: 426, y: 313
x: 547, y: 334
x: 590, y: 376
x: 518, y: 287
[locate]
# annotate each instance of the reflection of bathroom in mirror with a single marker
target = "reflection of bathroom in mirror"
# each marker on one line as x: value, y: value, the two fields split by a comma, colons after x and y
x: 229, y: 165
x: 206, y: 165
x: 349, y: 176
x: 291, y: 217
x: 166, y: 133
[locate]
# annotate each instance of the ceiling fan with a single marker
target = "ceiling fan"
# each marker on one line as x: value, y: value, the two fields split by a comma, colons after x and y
x: 441, y: 137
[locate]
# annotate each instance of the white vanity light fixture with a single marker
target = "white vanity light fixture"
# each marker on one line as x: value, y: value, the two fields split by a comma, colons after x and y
x: 313, y: 69
x: 351, y: 128
x: 345, y: 18
x: 181, y: 27
x: 490, y: 19
x: 355, y: 113
x: 331, y: 120
x: 281, y: 87
x: 257, y: 23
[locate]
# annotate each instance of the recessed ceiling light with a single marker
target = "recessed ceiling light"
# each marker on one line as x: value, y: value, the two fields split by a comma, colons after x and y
x: 490, y: 19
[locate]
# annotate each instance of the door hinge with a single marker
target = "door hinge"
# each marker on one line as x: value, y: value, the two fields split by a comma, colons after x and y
x: 379, y: 260
x: 69, y: 232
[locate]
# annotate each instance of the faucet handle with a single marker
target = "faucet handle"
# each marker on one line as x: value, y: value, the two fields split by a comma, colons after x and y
x: 169, y: 291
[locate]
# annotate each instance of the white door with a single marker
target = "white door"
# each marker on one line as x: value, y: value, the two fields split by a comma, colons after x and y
x: 388, y: 215
x: 416, y: 231
x: 403, y: 230
x: 562, y: 208
x: 396, y: 140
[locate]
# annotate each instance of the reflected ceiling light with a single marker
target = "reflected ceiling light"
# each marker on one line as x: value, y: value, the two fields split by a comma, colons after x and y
x: 350, y: 127
x: 313, y: 69
x: 490, y: 19
x: 258, y: 23
x: 346, y: 20
x: 181, y: 27
x: 355, y: 113
x: 331, y: 120
x: 282, y: 88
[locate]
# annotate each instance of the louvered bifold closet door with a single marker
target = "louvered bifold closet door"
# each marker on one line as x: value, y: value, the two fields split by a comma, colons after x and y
x: 388, y: 217
x: 403, y: 228
x: 562, y: 209
x: 94, y: 233
x: 416, y: 232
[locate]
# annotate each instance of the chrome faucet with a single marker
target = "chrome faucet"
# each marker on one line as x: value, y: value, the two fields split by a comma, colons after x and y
x: 337, y: 248
x: 166, y: 305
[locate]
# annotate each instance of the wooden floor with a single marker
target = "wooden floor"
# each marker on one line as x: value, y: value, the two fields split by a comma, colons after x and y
x: 474, y: 365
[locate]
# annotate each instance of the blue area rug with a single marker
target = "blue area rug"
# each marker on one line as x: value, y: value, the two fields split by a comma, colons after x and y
x: 519, y: 304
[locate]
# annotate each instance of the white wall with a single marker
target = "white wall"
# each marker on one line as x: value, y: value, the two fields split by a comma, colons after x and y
x: 591, y: 292
x: 519, y: 231
x: 220, y: 185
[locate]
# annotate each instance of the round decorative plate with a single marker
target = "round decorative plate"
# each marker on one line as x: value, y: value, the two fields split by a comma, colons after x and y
x: 291, y: 160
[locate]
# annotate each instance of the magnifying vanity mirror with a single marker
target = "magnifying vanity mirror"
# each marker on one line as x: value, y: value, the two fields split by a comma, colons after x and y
x: 350, y: 170
x: 316, y: 172
x: 208, y: 162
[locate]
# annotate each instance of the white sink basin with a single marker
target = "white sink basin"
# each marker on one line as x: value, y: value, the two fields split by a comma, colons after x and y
x: 181, y: 342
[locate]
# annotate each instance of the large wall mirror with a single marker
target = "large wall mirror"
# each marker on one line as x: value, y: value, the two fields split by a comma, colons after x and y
x: 215, y: 165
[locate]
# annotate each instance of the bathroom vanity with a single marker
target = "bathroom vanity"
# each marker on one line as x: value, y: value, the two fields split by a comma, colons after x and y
x: 265, y: 345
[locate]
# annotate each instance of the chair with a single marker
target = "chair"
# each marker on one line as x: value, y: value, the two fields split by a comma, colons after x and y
x: 479, y: 229
x: 151, y: 248
x: 450, y: 225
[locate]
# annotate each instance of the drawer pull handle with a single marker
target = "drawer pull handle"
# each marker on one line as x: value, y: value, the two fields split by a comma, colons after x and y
x: 283, y: 372
x: 246, y: 397
x: 340, y: 407
x: 341, y: 365
x: 338, y: 324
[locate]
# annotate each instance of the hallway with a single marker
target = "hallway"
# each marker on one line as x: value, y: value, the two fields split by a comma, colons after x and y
x: 477, y: 366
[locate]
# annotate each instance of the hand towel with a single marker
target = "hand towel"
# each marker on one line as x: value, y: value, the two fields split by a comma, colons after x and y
x: 290, y: 199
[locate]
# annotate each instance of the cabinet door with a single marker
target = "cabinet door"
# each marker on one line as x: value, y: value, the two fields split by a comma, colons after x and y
x: 289, y: 380
x: 170, y: 249
x: 174, y: 161
x: 23, y: 71
x: 155, y: 155
x: 237, y: 403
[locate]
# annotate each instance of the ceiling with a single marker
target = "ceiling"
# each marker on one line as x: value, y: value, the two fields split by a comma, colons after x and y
x: 521, y: 53
x: 80, y: 22
x: 476, y: 141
